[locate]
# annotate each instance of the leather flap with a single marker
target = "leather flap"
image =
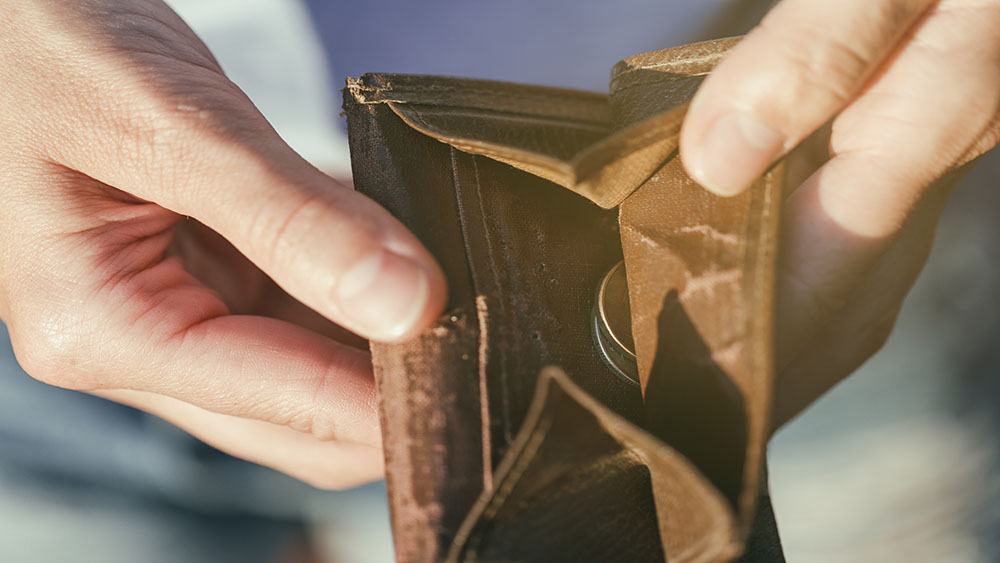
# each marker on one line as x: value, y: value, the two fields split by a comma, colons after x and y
x: 600, y: 147
x: 563, y: 136
x: 571, y: 446
x: 700, y: 272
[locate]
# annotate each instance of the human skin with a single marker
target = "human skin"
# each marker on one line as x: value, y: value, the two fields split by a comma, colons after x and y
x: 894, y: 98
x: 162, y: 247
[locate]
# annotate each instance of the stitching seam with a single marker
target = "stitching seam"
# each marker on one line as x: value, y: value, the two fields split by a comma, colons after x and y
x: 513, y: 478
x: 481, y: 335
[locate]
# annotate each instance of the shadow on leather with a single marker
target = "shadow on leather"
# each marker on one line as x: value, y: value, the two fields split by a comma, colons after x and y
x: 698, y: 410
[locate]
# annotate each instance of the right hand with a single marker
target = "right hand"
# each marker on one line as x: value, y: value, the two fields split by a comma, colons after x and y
x: 162, y: 247
x: 899, y: 97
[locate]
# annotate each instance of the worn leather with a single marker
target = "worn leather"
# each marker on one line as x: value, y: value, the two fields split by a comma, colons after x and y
x: 506, y: 437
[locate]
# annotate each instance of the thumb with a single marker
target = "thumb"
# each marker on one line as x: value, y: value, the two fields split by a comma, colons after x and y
x: 783, y: 81
x: 325, y: 244
x: 205, y: 151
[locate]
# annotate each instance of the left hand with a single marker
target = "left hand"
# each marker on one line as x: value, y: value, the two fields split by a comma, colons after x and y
x: 161, y: 246
x: 911, y: 92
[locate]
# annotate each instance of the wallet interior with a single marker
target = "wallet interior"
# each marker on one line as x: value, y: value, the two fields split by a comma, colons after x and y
x: 506, y: 436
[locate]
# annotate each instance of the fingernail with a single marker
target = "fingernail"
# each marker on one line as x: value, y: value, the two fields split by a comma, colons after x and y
x: 383, y: 294
x: 736, y: 151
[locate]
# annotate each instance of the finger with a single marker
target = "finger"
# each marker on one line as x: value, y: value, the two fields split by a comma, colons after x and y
x: 898, y: 142
x: 101, y: 307
x: 822, y: 264
x: 864, y: 324
x: 173, y: 130
x: 329, y: 247
x: 322, y: 464
x: 248, y: 367
x: 260, y: 368
x: 242, y: 286
x: 785, y: 79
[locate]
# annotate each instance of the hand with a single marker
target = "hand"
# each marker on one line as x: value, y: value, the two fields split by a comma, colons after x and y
x: 909, y: 91
x: 161, y: 246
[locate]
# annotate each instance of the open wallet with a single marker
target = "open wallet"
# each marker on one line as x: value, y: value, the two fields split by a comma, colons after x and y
x: 599, y: 388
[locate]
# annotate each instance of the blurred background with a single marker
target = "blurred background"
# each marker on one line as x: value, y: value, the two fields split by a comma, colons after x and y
x: 899, y: 463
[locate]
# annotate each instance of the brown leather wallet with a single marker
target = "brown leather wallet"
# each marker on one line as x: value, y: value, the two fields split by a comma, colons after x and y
x: 511, y: 432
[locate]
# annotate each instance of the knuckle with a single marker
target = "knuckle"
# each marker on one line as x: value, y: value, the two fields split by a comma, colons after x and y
x: 810, y: 68
x: 201, y: 105
x: 340, y: 407
x: 284, y: 230
x: 202, y: 132
x: 169, y: 117
x: 309, y: 418
x: 51, y: 350
x: 193, y: 124
x: 833, y: 67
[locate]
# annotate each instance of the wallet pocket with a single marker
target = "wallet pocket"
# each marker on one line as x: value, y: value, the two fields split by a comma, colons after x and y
x: 578, y: 470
